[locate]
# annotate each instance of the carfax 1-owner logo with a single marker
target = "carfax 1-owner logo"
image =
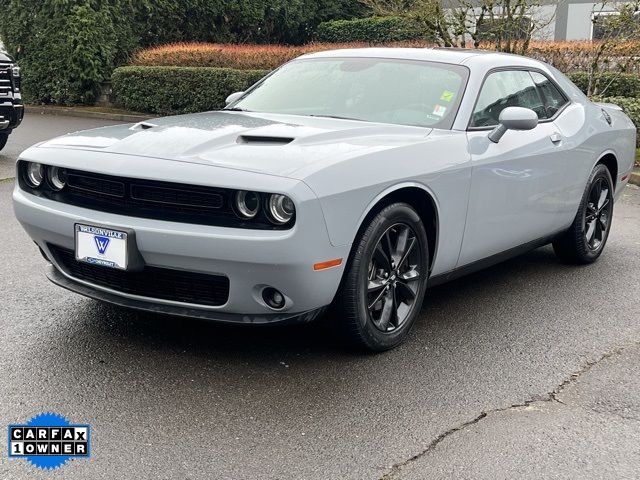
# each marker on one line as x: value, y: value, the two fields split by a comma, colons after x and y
x: 49, y: 440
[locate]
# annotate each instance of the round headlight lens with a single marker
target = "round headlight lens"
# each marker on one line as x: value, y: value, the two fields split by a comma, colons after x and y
x: 280, y: 208
x: 57, y: 178
x: 34, y: 174
x: 247, y: 203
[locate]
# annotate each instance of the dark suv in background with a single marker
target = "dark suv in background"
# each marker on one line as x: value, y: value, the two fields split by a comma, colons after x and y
x: 11, y: 107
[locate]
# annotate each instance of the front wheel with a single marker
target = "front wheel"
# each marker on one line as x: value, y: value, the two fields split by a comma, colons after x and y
x: 383, y: 286
x: 3, y: 140
x: 587, y: 236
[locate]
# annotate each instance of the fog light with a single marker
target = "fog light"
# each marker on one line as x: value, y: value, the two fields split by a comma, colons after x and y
x: 273, y: 298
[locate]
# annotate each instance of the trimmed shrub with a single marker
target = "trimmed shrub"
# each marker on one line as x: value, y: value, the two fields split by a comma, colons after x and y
x: 175, y: 90
x: 242, y: 57
x: 237, y: 56
x: 66, y: 49
x: 611, y: 84
x: 578, y: 56
x: 566, y: 56
x: 371, y: 30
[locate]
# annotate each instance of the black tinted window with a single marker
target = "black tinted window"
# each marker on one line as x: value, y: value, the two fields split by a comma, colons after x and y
x: 553, y: 98
x: 509, y: 88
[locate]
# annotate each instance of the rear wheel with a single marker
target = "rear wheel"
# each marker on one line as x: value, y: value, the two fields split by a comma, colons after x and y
x: 3, y: 139
x: 587, y: 236
x: 383, y: 286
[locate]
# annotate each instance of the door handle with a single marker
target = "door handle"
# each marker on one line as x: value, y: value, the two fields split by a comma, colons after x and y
x: 555, y: 137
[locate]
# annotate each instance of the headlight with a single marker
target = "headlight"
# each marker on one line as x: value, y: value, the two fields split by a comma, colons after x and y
x: 280, y: 208
x: 247, y: 203
x: 57, y: 177
x: 34, y: 174
x: 15, y: 71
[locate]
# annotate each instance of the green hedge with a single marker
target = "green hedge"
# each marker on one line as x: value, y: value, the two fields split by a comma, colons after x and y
x: 371, y: 30
x: 174, y: 90
x: 611, y: 84
x: 66, y: 48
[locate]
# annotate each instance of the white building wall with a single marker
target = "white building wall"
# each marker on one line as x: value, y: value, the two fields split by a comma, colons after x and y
x: 579, y: 21
x: 545, y: 16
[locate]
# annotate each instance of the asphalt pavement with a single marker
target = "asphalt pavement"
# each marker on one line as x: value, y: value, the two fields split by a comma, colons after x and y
x: 529, y: 369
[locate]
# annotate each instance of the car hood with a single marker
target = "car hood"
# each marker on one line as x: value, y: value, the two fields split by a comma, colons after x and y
x: 282, y: 145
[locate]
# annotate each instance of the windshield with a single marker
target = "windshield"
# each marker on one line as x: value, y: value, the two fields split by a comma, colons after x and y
x: 403, y: 92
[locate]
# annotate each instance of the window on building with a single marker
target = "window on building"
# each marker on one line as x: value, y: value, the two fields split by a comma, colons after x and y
x: 607, y: 25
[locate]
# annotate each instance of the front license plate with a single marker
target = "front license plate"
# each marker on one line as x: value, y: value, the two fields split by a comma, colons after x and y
x: 101, y: 246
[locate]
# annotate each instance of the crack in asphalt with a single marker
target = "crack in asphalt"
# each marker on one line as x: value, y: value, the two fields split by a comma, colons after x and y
x: 551, y: 396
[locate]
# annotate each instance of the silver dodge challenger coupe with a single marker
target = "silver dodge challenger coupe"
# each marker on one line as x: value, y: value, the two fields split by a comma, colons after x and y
x: 349, y: 178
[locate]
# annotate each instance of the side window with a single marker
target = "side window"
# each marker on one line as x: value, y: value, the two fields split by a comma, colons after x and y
x: 553, y: 98
x: 509, y: 88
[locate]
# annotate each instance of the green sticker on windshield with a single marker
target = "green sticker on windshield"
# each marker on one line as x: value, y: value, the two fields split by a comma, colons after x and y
x: 447, y: 96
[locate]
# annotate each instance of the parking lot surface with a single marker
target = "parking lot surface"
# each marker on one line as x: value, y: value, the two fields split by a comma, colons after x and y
x: 529, y: 369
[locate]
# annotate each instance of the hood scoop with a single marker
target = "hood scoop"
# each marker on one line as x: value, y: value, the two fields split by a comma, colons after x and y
x: 264, y: 140
x: 143, y: 126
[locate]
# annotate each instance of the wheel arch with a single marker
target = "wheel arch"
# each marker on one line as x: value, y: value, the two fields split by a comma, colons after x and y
x: 610, y: 160
x: 420, y: 198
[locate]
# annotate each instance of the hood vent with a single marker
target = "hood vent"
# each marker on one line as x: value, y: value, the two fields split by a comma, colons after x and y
x: 143, y: 126
x: 264, y: 140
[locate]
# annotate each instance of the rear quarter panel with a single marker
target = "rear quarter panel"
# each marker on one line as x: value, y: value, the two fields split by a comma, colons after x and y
x: 589, y: 137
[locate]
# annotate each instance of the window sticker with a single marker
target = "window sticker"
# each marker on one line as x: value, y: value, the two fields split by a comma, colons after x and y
x: 447, y: 96
x: 439, y: 110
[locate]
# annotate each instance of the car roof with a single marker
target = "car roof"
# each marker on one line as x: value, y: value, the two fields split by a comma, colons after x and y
x: 460, y: 56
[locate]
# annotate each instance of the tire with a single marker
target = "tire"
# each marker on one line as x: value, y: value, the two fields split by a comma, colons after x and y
x: 3, y: 140
x: 383, y: 285
x: 585, y: 240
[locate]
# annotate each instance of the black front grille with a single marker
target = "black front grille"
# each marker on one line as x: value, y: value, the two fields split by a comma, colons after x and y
x: 152, y: 282
x: 94, y: 187
x: 174, y: 202
x: 5, y: 80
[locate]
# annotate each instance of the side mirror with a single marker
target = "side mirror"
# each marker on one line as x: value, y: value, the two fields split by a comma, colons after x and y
x: 233, y: 97
x: 514, y: 118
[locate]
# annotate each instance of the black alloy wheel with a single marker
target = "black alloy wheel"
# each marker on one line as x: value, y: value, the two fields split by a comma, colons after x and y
x: 385, y: 279
x: 598, y: 213
x: 585, y: 239
x: 392, y: 279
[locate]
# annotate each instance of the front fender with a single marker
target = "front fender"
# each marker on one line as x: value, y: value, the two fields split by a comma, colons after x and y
x: 438, y: 164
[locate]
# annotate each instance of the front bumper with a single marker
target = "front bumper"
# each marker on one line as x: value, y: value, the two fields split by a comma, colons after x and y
x: 251, y: 259
x: 11, y: 115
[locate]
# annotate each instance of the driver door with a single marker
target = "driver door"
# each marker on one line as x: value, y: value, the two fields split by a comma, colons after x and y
x: 516, y: 185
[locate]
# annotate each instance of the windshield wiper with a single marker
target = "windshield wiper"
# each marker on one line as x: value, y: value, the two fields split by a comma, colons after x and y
x: 338, y: 117
x: 235, y: 109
